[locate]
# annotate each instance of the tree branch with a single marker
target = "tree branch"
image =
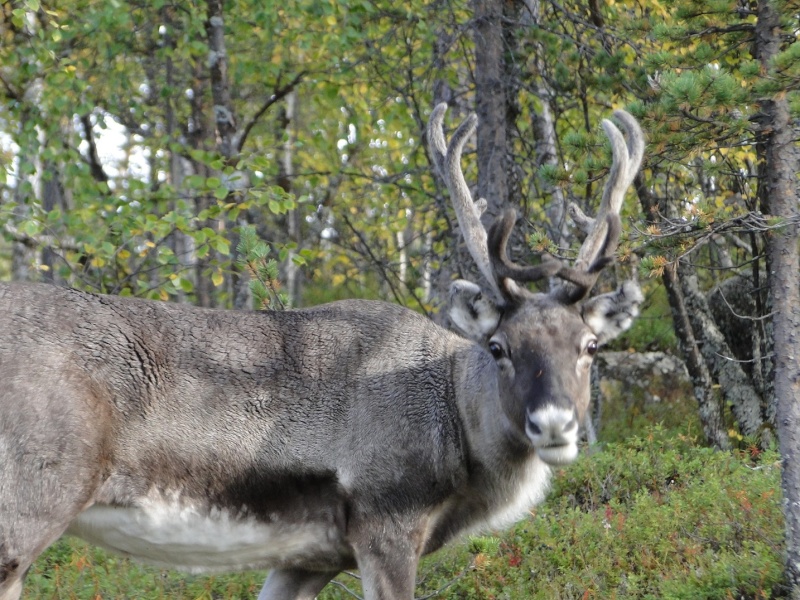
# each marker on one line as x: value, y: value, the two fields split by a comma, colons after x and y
x: 241, y: 137
x: 224, y: 117
x: 95, y: 166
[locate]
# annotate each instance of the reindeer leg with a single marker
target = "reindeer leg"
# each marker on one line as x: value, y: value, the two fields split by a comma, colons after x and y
x: 294, y: 584
x: 21, y: 541
x: 11, y: 589
x: 50, y: 465
x: 387, y: 559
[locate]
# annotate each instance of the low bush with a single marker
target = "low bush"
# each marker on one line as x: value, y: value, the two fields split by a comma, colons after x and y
x: 654, y: 517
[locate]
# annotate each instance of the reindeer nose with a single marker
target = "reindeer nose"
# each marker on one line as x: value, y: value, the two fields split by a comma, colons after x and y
x: 553, y: 431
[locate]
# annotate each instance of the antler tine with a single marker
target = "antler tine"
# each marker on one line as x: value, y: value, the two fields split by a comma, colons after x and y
x: 626, y: 160
x: 635, y: 143
x: 468, y: 213
x: 436, y: 141
x: 499, y: 233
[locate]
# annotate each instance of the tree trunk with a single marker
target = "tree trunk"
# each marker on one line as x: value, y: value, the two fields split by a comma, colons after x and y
x: 23, y: 255
x: 52, y: 198
x: 780, y: 198
x: 497, y: 83
x: 737, y: 388
x: 224, y: 119
x: 708, y: 401
x: 293, y: 218
x: 490, y: 105
x: 439, y: 273
x: 224, y: 130
x: 544, y: 128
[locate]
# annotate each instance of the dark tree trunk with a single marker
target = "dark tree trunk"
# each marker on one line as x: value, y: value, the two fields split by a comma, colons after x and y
x: 737, y: 388
x: 490, y: 105
x: 497, y: 84
x: 52, y: 198
x: 779, y: 198
x: 708, y: 400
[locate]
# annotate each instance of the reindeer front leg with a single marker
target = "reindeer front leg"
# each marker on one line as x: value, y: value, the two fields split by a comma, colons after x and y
x: 387, y: 553
x: 294, y: 584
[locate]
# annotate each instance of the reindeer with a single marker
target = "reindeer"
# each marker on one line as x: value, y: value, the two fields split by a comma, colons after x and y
x: 356, y: 434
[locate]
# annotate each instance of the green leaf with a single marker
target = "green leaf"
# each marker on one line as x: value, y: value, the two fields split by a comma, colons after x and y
x: 194, y: 181
x: 222, y: 246
x: 30, y: 228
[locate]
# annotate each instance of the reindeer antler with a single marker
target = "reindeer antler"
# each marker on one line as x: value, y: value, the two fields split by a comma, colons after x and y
x: 499, y: 233
x: 603, y: 232
x: 624, y: 166
x: 448, y: 163
x: 489, y: 252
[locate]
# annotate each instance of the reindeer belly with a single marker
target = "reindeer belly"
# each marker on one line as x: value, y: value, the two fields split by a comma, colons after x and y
x: 186, y: 536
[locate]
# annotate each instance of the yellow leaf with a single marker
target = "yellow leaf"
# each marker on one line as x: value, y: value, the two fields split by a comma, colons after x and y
x: 330, y: 19
x: 124, y: 254
x: 217, y: 278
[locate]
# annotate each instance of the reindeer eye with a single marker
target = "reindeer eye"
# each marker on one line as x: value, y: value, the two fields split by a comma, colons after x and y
x: 591, y: 347
x: 496, y: 350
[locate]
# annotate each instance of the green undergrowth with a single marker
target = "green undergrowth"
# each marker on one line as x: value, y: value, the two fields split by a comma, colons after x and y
x: 656, y: 516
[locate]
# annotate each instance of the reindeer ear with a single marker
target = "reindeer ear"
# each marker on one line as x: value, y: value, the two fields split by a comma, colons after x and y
x: 610, y: 314
x: 472, y: 311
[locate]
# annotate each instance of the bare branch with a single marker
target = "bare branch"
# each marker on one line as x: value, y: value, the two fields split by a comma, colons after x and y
x: 281, y: 92
x: 40, y: 241
x: 93, y: 159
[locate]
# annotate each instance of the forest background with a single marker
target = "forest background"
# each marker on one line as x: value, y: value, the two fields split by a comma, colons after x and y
x: 180, y: 150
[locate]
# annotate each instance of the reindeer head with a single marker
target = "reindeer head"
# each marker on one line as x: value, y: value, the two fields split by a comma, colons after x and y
x: 542, y: 343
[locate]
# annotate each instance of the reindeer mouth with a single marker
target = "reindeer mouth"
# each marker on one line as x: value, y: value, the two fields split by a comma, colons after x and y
x: 553, y: 431
x: 558, y: 456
